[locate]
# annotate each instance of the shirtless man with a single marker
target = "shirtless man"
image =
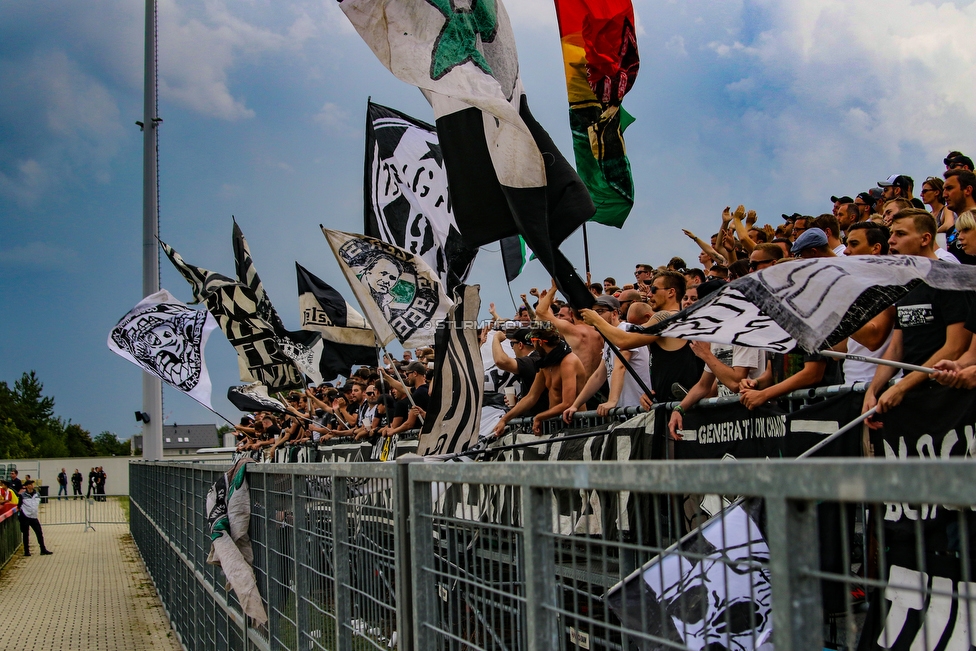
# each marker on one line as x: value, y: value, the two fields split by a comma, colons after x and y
x: 561, y: 373
x: 585, y: 342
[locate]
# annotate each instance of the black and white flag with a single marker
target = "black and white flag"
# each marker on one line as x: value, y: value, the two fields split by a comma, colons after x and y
x: 401, y: 295
x: 454, y: 415
x: 248, y: 274
x: 815, y: 302
x: 254, y: 397
x: 166, y: 338
x: 347, y: 338
x: 407, y: 200
x: 261, y: 352
x: 710, y: 591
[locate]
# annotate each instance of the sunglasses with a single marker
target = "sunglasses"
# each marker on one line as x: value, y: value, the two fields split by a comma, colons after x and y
x: 755, y: 264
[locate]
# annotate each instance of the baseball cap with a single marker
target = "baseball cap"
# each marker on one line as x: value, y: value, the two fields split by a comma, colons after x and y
x: 792, y: 217
x: 809, y: 239
x: 843, y: 199
x: 897, y: 180
x: 877, y: 193
x: 415, y: 367
x: 957, y: 158
x: 607, y: 301
x: 866, y: 197
x: 522, y: 336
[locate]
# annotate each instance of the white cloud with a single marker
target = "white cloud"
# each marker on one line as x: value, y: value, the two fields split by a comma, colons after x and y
x: 834, y: 86
x: 38, y: 255
x: 65, y: 124
x: 334, y: 119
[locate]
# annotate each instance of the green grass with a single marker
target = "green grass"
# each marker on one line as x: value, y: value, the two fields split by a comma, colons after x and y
x: 124, y: 505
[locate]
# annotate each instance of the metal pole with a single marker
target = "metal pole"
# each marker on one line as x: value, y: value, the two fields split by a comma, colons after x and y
x: 152, y: 386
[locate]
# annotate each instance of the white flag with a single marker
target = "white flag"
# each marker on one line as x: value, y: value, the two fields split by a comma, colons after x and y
x: 165, y: 337
x: 400, y: 294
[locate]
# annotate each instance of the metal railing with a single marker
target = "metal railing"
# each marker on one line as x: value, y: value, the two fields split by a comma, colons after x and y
x: 87, y: 511
x: 546, y: 556
x: 10, y: 539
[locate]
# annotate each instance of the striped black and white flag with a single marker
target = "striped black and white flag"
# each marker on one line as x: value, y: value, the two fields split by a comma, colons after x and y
x: 454, y: 414
x: 408, y: 204
x: 248, y: 274
x: 261, y: 352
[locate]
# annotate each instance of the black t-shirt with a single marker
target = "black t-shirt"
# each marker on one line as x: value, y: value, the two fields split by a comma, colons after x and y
x: 528, y: 366
x: 670, y: 366
x: 402, y: 409
x: 923, y: 316
x: 421, y: 397
x: 15, y: 484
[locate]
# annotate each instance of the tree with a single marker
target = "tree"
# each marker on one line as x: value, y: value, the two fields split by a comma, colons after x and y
x: 223, y: 429
x: 108, y: 444
x: 29, y: 428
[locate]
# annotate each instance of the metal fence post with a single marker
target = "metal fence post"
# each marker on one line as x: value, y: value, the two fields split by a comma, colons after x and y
x: 425, y: 607
x: 403, y: 553
x: 341, y: 563
x: 538, y: 550
x: 794, y: 550
x: 298, y: 531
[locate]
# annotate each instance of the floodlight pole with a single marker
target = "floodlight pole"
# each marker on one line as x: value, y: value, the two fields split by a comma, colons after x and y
x: 152, y: 386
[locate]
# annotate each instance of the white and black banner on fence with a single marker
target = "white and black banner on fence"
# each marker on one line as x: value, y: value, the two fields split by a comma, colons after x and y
x: 453, y: 419
x: 408, y: 203
x: 720, y: 598
x: 165, y: 337
x: 932, y: 422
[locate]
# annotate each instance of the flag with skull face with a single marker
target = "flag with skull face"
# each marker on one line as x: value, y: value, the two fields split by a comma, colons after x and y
x: 710, y: 591
x: 165, y: 337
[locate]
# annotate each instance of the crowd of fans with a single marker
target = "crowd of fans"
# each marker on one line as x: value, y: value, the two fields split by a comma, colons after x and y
x: 550, y: 360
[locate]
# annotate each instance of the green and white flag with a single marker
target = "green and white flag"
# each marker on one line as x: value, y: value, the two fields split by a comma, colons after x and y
x: 505, y: 174
x: 400, y: 294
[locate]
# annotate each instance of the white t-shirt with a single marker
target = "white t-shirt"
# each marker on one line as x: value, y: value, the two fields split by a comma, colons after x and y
x: 857, y: 371
x: 640, y: 361
x: 942, y: 254
x: 839, y: 249
x: 753, y: 359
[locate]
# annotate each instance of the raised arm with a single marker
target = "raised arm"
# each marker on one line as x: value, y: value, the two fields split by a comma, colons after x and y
x: 502, y: 360
x: 619, y: 338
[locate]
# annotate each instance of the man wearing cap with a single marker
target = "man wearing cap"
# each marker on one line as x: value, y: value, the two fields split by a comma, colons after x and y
x: 956, y: 160
x: 560, y: 375
x: 838, y: 202
x: 865, y: 206
x: 812, y: 244
x: 523, y: 366
x: 30, y: 502
x: 899, y: 185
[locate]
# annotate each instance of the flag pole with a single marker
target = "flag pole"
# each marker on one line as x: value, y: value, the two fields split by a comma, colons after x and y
x: 586, y: 251
x: 630, y: 369
x: 877, y: 360
x: 843, y: 430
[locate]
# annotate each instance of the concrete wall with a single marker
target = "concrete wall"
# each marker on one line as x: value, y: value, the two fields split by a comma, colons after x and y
x: 116, y: 470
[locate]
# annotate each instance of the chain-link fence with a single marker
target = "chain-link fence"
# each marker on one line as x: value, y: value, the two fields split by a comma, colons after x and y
x: 832, y: 553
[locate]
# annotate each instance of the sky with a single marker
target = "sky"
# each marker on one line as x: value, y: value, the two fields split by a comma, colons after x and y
x: 773, y: 104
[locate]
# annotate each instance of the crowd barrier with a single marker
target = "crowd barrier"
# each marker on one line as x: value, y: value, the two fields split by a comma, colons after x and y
x: 87, y: 511
x: 10, y: 538
x: 841, y: 402
x: 630, y: 541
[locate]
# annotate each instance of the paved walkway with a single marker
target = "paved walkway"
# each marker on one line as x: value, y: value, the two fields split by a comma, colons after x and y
x: 93, y: 594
